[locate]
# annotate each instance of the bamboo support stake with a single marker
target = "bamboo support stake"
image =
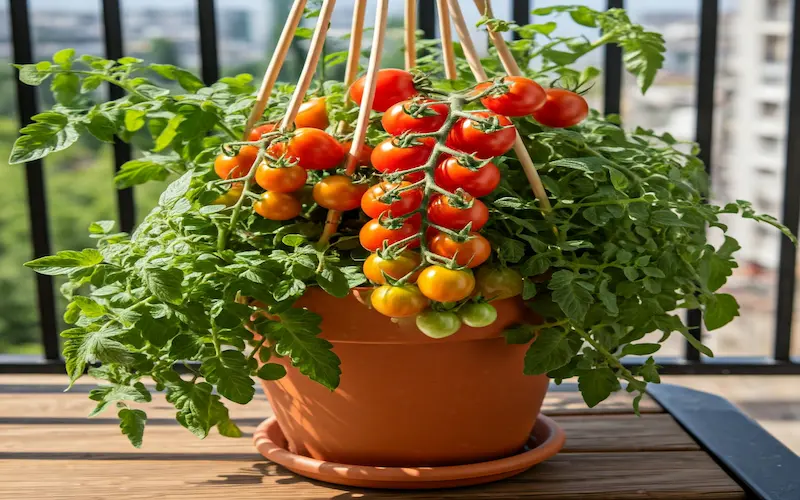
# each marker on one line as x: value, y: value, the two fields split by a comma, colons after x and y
x: 365, y: 107
x: 354, y: 50
x: 503, y: 52
x: 275, y: 65
x: 310, y: 66
x: 411, y: 33
x: 448, y: 54
x: 475, y: 65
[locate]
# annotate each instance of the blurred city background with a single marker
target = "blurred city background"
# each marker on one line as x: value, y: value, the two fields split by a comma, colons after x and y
x: 748, y: 154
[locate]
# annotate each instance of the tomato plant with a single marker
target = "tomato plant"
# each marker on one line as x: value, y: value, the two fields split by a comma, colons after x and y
x: 498, y: 283
x: 233, y: 167
x: 446, y: 285
x: 376, y: 266
x: 445, y: 212
x: 438, y: 325
x: 392, y: 86
x: 339, y: 192
x: 563, y: 108
x: 277, y: 206
x: 398, y: 301
x: 373, y: 234
x: 311, y: 148
x: 470, y: 253
x: 312, y: 114
x: 480, y: 180
x: 403, y: 202
x: 523, y: 97
x: 280, y: 179
x: 414, y: 116
x: 486, y: 135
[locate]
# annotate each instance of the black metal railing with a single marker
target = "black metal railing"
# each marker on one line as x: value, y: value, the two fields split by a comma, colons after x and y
x: 692, y: 363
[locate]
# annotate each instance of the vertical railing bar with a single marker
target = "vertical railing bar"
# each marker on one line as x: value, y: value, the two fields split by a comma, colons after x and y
x: 207, y: 25
x: 612, y: 89
x: 704, y: 132
x: 426, y: 18
x: 34, y: 176
x: 521, y: 13
x: 112, y: 27
x: 791, y: 204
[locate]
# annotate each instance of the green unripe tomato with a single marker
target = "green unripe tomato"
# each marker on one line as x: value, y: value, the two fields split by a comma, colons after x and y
x: 438, y: 325
x: 498, y: 283
x: 478, y: 315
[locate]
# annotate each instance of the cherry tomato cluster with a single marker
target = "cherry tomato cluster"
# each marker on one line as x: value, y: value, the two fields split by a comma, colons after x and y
x: 436, y: 165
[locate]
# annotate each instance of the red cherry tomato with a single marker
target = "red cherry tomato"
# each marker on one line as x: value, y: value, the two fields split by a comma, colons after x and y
x: 563, y: 108
x: 409, y: 200
x: 398, y: 119
x: 233, y: 167
x: 442, y: 213
x: 470, y: 253
x: 311, y: 148
x: 257, y: 132
x: 467, y: 136
x: 451, y: 175
x: 373, y: 234
x: 391, y: 87
x: 388, y: 158
x: 524, y: 96
x: 338, y: 192
x: 312, y: 114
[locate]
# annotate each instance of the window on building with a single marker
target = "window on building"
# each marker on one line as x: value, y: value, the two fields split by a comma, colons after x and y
x: 769, y: 144
x: 769, y: 109
x: 775, y: 47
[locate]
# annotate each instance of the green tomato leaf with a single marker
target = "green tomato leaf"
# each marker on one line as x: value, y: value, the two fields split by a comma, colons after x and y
x: 571, y: 294
x: 640, y: 349
x: 550, y: 350
x: 230, y: 373
x: 296, y: 336
x: 177, y: 189
x: 271, y: 371
x: 66, y: 262
x: 720, y: 310
x: 333, y: 281
x: 519, y: 334
x: 596, y: 385
x: 608, y: 299
x: 164, y: 283
x: 50, y: 132
x: 132, y: 423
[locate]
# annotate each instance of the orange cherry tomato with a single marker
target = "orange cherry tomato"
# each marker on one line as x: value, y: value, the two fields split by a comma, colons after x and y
x: 233, y: 167
x: 470, y: 253
x: 451, y: 175
x: 277, y: 206
x: 373, y: 235
x: 339, y: 192
x: 524, y: 96
x: 409, y: 200
x: 498, y: 283
x: 388, y: 157
x: 446, y: 285
x: 312, y: 114
x: 468, y: 136
x: 391, y: 87
x: 398, y: 301
x: 563, y: 108
x: 311, y: 148
x: 281, y: 179
x: 376, y: 266
x: 257, y: 132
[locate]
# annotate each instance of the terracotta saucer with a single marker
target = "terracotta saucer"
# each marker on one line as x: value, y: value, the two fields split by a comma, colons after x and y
x: 546, y: 440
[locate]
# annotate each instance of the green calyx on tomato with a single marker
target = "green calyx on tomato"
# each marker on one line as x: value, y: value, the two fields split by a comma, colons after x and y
x: 438, y: 325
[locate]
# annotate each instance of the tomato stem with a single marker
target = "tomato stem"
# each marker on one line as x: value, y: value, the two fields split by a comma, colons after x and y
x: 224, y: 233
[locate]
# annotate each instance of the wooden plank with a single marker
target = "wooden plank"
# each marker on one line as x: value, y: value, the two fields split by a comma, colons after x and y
x: 653, y: 476
x: 600, y: 433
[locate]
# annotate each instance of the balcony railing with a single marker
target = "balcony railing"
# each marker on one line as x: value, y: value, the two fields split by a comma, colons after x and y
x: 691, y: 363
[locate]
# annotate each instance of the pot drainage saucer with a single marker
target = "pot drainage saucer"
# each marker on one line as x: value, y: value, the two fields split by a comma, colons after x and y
x: 547, y: 439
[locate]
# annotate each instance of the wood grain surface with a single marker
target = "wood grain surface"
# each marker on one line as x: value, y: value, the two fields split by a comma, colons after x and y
x: 50, y: 450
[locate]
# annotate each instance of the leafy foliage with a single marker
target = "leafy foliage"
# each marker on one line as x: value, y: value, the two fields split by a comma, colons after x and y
x: 622, y: 249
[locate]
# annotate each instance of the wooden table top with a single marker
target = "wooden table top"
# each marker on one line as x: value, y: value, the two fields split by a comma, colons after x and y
x: 49, y: 449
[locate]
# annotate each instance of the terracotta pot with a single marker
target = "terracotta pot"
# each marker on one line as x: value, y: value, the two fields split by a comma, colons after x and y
x: 406, y: 399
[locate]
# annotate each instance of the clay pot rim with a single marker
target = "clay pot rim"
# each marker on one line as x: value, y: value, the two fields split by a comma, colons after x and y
x: 546, y: 432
